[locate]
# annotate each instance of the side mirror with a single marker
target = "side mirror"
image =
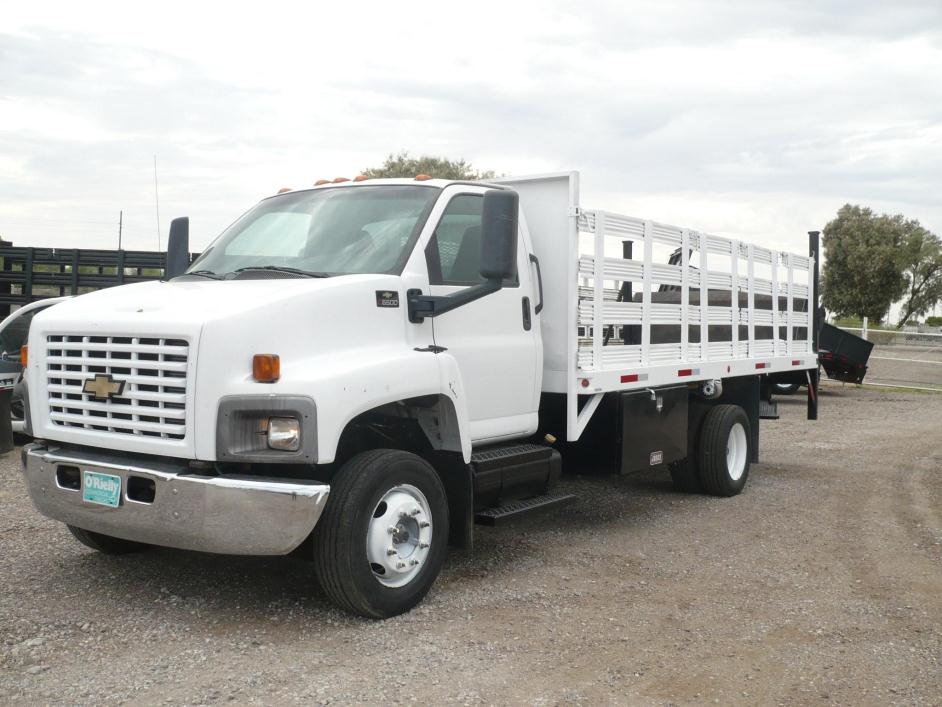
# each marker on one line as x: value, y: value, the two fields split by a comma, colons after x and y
x: 499, y: 234
x: 178, y: 248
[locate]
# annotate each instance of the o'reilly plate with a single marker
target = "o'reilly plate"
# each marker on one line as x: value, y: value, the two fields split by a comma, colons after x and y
x: 103, y: 489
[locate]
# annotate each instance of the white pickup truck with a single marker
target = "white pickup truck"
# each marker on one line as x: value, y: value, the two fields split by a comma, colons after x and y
x: 360, y: 371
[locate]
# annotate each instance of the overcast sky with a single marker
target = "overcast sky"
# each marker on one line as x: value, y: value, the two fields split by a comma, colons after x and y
x: 750, y: 119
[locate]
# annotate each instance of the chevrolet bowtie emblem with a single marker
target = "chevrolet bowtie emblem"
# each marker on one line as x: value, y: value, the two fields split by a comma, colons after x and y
x: 103, y: 387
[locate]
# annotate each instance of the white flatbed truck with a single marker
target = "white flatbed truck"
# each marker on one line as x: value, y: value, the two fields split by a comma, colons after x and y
x: 360, y: 371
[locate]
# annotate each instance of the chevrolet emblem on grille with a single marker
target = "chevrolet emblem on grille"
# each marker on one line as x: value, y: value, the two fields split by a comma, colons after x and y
x: 103, y: 387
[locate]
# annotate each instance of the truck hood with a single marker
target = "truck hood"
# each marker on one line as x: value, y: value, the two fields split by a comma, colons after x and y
x: 212, y: 328
x: 188, y: 304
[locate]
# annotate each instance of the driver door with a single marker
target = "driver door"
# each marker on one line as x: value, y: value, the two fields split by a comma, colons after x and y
x: 494, y: 339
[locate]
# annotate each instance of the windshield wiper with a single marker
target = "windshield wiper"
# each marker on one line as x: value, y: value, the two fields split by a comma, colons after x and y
x: 204, y: 273
x: 281, y: 268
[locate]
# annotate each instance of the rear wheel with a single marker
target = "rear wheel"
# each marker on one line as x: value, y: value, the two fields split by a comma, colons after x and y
x: 381, y: 541
x: 106, y: 544
x: 723, y: 450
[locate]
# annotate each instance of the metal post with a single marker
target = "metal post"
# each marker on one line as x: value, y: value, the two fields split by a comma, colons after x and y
x: 814, y: 252
x: 864, y: 332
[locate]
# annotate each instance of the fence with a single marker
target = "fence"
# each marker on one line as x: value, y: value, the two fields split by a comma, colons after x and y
x: 904, y: 359
x: 30, y: 274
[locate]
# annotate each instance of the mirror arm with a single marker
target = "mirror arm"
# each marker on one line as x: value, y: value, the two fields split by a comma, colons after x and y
x: 422, y: 306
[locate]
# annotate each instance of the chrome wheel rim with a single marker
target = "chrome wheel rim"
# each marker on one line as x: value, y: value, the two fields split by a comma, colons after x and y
x: 737, y: 451
x: 399, y: 536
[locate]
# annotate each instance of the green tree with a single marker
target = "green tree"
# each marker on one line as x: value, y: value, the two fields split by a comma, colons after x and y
x: 404, y: 165
x: 863, y: 270
x: 922, y: 270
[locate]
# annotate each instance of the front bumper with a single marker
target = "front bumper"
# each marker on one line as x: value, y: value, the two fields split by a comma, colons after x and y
x: 236, y: 515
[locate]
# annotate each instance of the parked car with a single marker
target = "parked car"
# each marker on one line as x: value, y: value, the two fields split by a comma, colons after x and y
x: 14, y: 331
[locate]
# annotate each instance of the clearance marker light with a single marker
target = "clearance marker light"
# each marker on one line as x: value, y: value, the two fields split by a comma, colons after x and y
x: 338, y: 180
x: 422, y: 177
x: 284, y: 189
x: 360, y: 178
x: 266, y: 368
x: 630, y: 378
x: 321, y: 181
x: 24, y: 350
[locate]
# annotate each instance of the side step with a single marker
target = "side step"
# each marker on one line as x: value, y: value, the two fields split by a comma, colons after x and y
x: 515, y: 509
x: 768, y: 410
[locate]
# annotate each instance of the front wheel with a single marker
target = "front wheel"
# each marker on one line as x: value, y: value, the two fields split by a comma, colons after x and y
x: 106, y: 544
x: 786, y: 388
x: 380, y: 543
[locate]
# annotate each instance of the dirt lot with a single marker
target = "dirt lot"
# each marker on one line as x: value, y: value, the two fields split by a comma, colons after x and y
x: 822, y: 583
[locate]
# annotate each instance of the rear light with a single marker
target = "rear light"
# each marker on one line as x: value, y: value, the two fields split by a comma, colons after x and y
x: 629, y: 378
x: 23, y: 351
x: 266, y: 368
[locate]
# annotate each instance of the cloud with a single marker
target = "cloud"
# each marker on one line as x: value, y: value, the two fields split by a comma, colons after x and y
x: 753, y: 118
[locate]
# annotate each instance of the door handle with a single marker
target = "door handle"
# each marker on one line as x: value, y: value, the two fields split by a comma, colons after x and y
x: 527, y: 323
x: 539, y: 280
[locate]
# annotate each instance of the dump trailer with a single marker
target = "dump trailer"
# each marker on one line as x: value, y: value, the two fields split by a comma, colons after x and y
x: 843, y: 355
x: 360, y: 372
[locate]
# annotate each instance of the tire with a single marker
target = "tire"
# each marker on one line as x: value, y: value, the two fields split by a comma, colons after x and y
x: 785, y: 388
x: 723, y: 450
x: 106, y: 544
x: 686, y: 476
x: 363, y: 564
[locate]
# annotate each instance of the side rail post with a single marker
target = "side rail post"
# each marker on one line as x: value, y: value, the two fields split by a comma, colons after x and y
x: 814, y: 312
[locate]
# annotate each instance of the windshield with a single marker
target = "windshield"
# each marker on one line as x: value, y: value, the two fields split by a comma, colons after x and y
x: 365, y: 229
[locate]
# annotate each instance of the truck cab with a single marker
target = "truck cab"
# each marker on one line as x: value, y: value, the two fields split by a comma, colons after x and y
x: 216, y: 409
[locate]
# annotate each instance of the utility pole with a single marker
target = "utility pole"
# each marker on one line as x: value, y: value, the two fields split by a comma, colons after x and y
x: 157, y: 202
x: 120, y: 225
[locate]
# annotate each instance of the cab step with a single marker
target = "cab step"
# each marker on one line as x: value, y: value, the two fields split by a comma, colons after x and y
x: 515, y: 509
x: 768, y: 410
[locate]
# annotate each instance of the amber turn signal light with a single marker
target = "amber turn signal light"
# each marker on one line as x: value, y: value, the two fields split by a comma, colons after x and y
x: 23, y: 352
x: 266, y: 368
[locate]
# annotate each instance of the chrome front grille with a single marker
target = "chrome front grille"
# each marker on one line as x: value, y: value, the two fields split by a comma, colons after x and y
x: 154, y: 370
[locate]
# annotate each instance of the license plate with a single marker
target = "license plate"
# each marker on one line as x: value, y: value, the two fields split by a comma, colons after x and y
x: 103, y: 489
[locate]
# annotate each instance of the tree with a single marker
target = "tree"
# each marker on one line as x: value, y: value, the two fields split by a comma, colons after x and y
x: 863, y: 270
x: 402, y: 165
x: 922, y: 270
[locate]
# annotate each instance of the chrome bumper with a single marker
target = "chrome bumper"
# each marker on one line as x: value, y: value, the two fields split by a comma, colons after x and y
x: 236, y: 515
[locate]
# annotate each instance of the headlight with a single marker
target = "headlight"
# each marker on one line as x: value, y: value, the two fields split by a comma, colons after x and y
x: 284, y: 433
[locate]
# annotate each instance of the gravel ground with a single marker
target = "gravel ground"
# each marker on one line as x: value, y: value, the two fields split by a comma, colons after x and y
x: 822, y: 583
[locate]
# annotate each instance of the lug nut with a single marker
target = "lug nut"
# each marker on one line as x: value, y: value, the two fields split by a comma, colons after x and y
x: 400, y: 565
x: 390, y: 551
x: 423, y: 545
x: 391, y: 529
x: 414, y: 563
x: 424, y: 524
x: 416, y: 511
